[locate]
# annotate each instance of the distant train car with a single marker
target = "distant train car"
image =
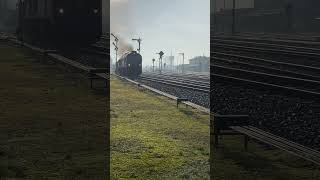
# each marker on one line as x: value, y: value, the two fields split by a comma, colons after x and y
x: 130, y: 65
x: 60, y: 22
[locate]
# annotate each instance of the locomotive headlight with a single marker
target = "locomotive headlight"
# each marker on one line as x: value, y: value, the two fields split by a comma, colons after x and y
x: 61, y: 11
x: 129, y: 65
x: 95, y: 11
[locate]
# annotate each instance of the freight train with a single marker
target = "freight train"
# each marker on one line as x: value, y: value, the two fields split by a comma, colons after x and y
x: 129, y: 65
x: 60, y: 22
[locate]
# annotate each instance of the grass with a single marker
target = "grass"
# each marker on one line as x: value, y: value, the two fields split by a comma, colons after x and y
x: 52, y: 124
x: 52, y: 127
x: 152, y: 139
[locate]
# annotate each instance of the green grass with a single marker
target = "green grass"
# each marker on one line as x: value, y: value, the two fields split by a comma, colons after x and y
x: 52, y: 124
x: 152, y: 139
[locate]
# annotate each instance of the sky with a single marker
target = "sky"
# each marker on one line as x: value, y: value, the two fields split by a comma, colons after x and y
x: 177, y: 26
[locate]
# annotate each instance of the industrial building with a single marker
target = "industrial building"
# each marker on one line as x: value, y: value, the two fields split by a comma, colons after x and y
x: 196, y: 64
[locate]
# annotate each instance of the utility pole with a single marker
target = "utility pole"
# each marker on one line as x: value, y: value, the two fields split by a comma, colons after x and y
x: 182, y: 61
x: 153, y: 60
x: 233, y: 17
x: 115, y: 44
x: 139, y: 42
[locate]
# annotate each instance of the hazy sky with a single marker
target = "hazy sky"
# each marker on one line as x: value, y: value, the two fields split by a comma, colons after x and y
x: 167, y: 25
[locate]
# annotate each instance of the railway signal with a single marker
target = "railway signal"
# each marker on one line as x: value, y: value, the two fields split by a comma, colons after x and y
x: 153, y: 60
x: 160, y: 60
x: 139, y: 42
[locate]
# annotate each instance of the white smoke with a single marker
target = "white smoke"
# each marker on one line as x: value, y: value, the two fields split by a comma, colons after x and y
x: 122, y: 24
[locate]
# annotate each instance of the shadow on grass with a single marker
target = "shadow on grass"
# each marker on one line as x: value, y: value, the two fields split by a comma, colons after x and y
x: 187, y: 111
x: 252, y: 163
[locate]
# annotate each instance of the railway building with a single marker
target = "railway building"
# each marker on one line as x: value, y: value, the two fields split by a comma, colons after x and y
x: 198, y: 64
x: 169, y: 61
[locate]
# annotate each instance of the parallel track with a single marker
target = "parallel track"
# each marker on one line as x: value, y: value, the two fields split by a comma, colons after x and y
x: 178, y: 81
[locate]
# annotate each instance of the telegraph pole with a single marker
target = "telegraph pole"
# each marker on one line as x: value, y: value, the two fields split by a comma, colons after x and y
x: 139, y: 42
x: 182, y: 61
x: 115, y: 44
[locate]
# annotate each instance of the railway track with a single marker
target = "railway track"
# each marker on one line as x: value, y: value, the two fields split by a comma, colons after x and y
x: 286, y: 84
x: 267, y: 65
x: 179, y: 81
x: 280, y: 39
x: 278, y: 85
x: 274, y: 50
x: 195, y: 88
x: 288, y: 76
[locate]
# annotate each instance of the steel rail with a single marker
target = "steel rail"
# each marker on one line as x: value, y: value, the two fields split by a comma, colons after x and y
x: 225, y: 78
x: 265, y: 44
x: 266, y: 50
x: 263, y: 68
x: 205, y: 89
x: 178, y: 78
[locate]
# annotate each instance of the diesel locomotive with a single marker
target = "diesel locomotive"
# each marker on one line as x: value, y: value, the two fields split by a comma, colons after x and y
x: 129, y: 65
x: 60, y: 22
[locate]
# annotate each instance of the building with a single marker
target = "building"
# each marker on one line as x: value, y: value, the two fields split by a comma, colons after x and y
x: 169, y: 61
x: 197, y: 64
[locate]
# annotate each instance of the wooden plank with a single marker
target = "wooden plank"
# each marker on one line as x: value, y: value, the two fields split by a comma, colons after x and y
x: 285, y: 141
x: 267, y: 139
x: 103, y: 76
x: 70, y: 62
